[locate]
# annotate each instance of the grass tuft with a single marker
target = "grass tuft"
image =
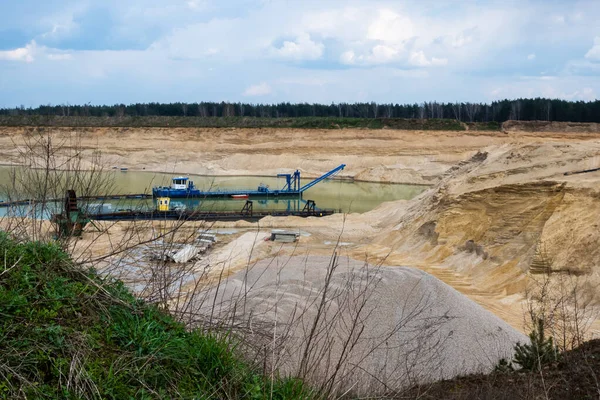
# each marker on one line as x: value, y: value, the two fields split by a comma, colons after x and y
x: 67, y: 333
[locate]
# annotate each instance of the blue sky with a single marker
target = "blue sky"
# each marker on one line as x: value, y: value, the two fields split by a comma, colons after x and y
x: 125, y: 51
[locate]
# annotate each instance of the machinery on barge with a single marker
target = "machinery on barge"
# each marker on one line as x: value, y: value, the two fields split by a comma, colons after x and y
x: 183, y: 187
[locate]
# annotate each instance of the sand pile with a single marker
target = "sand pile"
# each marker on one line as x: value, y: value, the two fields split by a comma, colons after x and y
x: 360, y: 326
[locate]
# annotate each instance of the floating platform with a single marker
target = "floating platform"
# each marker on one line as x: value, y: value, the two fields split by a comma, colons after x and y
x: 224, y: 194
x: 183, y: 187
x: 174, y: 215
x: 106, y: 197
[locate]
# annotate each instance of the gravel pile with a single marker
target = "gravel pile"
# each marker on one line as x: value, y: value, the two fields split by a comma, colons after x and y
x: 359, y: 326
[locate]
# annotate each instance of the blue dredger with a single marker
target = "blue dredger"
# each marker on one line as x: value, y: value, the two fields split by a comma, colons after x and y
x: 183, y: 187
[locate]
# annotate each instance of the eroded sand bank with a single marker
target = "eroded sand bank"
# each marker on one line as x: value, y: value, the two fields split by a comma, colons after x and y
x: 413, y: 157
x: 499, y: 212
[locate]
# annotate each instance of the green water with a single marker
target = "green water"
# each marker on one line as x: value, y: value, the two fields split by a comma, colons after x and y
x: 336, y: 194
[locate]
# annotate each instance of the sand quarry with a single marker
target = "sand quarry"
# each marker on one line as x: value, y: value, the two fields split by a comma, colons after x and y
x: 499, y: 214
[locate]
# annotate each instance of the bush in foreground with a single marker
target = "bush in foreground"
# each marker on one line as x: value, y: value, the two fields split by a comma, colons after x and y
x: 66, y: 333
x: 574, y: 375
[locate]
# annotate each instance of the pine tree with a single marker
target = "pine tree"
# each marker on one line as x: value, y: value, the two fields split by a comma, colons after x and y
x: 540, y: 351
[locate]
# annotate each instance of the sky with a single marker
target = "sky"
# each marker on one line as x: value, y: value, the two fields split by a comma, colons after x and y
x: 266, y: 51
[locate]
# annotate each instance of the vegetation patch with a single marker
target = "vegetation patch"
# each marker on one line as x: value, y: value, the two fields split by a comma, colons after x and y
x: 574, y: 375
x: 433, y: 124
x: 484, y: 126
x: 68, y: 333
x: 238, y: 122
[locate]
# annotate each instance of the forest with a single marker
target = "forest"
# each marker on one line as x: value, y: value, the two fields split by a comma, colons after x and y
x: 498, y: 111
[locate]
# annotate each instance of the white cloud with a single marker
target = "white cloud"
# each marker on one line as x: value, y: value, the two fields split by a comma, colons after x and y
x: 61, y: 23
x: 348, y: 57
x: 586, y: 94
x: 390, y: 26
x: 418, y: 59
x: 31, y: 51
x: 360, y: 34
x: 531, y: 57
x: 303, y: 81
x: 199, y: 52
x: 379, y: 54
x: 60, y: 56
x: 262, y: 89
x: 344, y: 24
x: 410, y: 73
x: 594, y: 52
x: 195, y: 4
x: 59, y: 30
x: 23, y: 54
x: 553, y: 87
x: 383, y: 54
x: 302, y: 49
x: 461, y: 40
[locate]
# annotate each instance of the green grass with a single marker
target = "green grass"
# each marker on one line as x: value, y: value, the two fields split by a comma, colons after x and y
x: 433, y: 124
x: 246, y: 122
x: 484, y: 126
x: 66, y: 333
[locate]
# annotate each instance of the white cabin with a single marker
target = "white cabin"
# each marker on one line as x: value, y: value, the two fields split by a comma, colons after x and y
x: 180, y: 183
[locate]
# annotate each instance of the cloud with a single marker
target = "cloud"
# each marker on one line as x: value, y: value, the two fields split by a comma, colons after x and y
x: 418, y: 58
x: 59, y: 30
x: 262, y: 89
x: 348, y: 57
x: 196, y: 4
x: 594, y: 52
x: 302, y: 49
x: 390, y: 26
x: 63, y: 22
x: 60, y: 56
x: 553, y: 87
x: 303, y: 81
x: 23, y: 54
x: 460, y: 40
x: 586, y: 94
x: 107, y: 51
x: 32, y: 51
x: 531, y: 57
x: 379, y: 54
x: 383, y: 54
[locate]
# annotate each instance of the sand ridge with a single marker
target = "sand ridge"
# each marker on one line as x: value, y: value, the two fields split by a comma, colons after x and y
x: 412, y: 157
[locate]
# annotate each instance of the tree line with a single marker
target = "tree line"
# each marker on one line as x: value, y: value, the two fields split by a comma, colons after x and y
x: 498, y: 111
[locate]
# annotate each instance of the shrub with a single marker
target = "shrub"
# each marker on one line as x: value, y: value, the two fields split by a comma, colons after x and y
x: 540, y: 351
x: 68, y: 333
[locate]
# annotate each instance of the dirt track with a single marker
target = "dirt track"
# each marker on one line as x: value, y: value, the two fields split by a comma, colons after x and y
x: 488, y: 221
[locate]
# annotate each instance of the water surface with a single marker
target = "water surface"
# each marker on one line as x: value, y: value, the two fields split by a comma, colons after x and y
x: 341, y: 195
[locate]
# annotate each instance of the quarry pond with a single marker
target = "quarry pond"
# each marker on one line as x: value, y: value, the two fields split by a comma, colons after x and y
x: 341, y: 195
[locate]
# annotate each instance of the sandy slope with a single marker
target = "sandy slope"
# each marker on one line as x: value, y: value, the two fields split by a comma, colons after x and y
x: 488, y: 221
x: 372, y: 155
x: 492, y: 224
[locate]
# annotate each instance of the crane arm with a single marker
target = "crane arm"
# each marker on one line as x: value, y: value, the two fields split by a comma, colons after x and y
x: 322, y: 177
